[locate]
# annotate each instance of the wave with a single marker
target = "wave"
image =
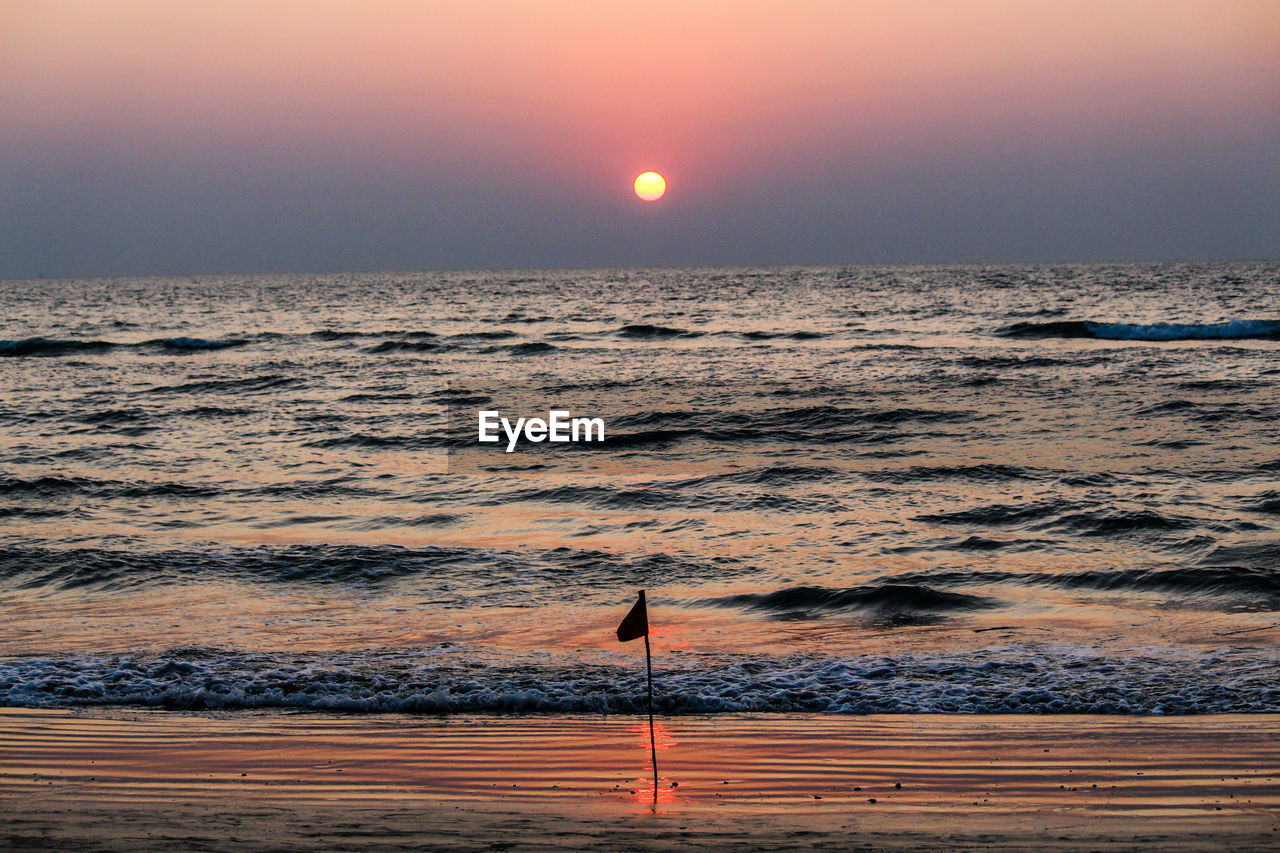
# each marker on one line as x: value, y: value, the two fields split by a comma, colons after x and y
x: 1049, y: 679
x: 1268, y: 502
x: 382, y: 522
x: 458, y: 397
x: 349, y: 334
x: 653, y: 437
x: 1110, y: 521
x: 619, y: 498
x: 496, y: 335
x: 818, y: 425
x: 897, y: 601
x: 112, y: 416
x: 801, y: 425
x: 554, y: 573
x: 52, y: 347
x: 981, y: 543
x: 1249, y: 554
x: 1207, y: 412
x: 971, y: 543
x: 1222, y: 384
x: 1053, y: 329
x: 56, y: 487
x: 529, y: 348
x: 1244, y: 578
x: 198, y: 343
x: 1260, y: 585
x: 1009, y: 362
x: 264, y: 382
x: 410, y: 345
x: 217, y: 412
x: 774, y: 475
x: 802, y: 335
x: 1167, y: 407
x: 1000, y: 514
x: 75, y: 568
x: 987, y: 473
x: 36, y: 512
x: 651, y: 332
x: 1072, y: 517
x: 375, y: 397
x: 1228, y: 330
x: 391, y: 442
x: 336, y: 334
x: 606, y: 570
x: 309, y: 490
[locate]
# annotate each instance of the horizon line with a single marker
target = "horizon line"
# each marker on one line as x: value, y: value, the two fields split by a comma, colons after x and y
x: 643, y: 267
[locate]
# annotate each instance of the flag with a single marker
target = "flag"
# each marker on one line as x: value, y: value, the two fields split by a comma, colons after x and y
x: 636, y: 623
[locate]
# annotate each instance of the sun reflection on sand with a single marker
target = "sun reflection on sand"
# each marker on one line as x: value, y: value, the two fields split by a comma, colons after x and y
x: 642, y: 788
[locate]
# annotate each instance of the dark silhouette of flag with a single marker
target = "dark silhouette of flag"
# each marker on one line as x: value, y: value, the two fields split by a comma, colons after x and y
x: 636, y: 623
x: 633, y: 626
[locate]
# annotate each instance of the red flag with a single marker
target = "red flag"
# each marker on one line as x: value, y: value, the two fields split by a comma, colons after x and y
x: 636, y: 623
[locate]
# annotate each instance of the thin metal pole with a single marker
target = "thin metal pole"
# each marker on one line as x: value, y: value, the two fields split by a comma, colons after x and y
x: 653, y: 744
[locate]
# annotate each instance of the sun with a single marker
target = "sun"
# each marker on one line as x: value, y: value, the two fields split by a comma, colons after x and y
x: 650, y: 186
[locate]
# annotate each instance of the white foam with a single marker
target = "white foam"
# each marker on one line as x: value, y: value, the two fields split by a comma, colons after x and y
x: 1184, y: 331
x: 1040, y: 680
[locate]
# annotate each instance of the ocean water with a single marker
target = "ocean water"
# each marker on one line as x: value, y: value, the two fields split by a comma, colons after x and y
x: 1044, y: 489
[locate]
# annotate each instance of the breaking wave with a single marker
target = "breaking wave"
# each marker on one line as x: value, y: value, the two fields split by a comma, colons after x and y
x: 1228, y: 330
x: 1045, y: 680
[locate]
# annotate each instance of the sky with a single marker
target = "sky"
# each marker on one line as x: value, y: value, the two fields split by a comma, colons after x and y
x: 153, y: 137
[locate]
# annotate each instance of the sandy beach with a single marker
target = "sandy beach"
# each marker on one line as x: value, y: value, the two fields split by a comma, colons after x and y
x: 129, y: 780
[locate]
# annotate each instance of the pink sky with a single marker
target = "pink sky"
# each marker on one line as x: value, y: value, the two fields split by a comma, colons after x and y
x: 788, y: 104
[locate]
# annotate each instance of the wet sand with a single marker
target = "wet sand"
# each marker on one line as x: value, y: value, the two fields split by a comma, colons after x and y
x: 128, y: 780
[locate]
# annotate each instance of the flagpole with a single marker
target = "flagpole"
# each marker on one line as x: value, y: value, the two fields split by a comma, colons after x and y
x: 633, y: 626
x: 653, y: 744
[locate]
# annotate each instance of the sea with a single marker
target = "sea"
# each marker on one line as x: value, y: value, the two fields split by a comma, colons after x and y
x: 1026, y: 488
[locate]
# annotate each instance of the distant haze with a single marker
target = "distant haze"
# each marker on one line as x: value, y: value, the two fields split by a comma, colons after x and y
x: 162, y: 137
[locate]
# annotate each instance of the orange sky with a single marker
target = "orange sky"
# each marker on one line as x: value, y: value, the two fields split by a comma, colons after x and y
x: 732, y: 100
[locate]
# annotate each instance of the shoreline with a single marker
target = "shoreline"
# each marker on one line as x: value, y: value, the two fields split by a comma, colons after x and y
x: 121, y: 778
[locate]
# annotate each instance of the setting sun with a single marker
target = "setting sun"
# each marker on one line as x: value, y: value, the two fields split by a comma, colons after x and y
x: 650, y: 186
